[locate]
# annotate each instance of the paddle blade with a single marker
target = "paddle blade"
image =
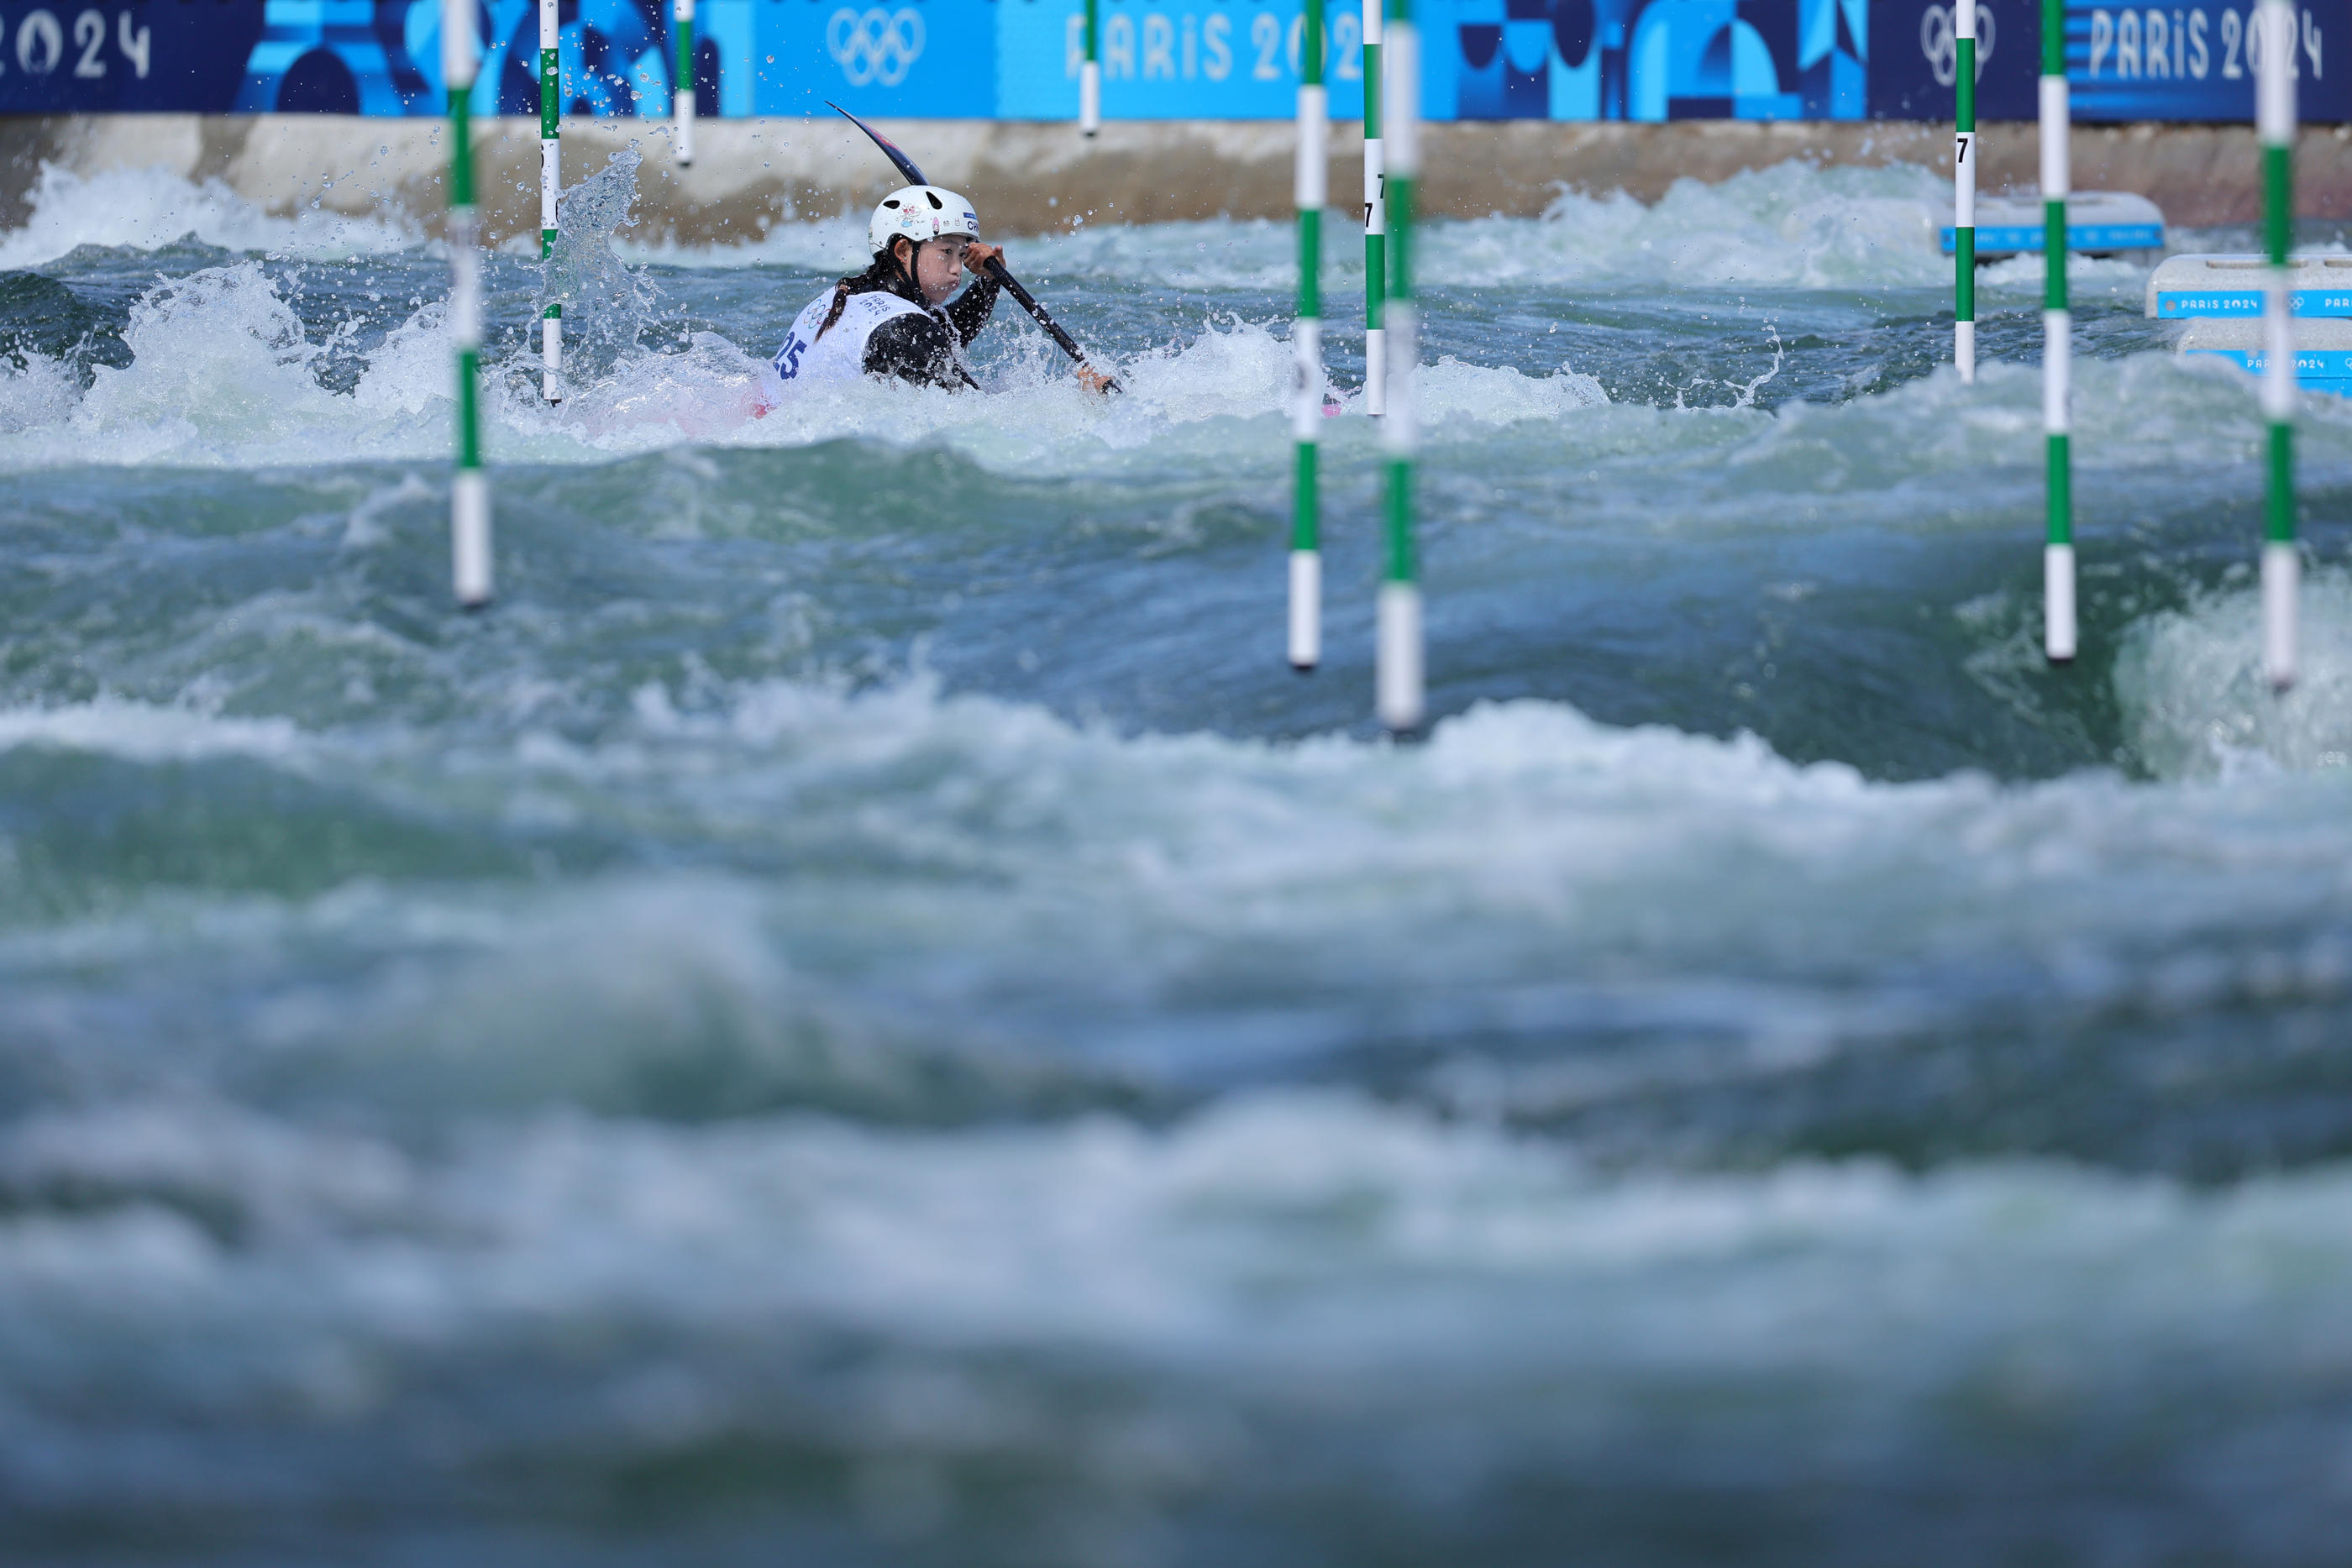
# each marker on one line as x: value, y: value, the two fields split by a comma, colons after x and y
x: 889, y: 147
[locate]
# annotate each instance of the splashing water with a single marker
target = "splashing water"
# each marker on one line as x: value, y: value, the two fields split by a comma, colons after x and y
x: 606, y: 303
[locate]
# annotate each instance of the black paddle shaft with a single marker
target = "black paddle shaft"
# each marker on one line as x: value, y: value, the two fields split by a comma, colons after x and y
x: 995, y: 268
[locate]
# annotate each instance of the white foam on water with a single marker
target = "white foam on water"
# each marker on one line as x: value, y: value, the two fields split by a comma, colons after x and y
x: 148, y: 209
x: 222, y: 375
x: 146, y: 732
x: 2196, y: 704
x: 1790, y: 225
x: 1523, y: 818
x: 1226, y: 388
x: 213, y: 1257
x: 2088, y: 277
x: 1521, y: 843
x: 44, y: 392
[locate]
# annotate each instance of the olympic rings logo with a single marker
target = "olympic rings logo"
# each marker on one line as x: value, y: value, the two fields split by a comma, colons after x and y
x: 1941, y: 42
x: 876, y: 45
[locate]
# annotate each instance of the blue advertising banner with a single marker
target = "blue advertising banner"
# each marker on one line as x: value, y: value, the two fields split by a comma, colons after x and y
x: 338, y: 57
x: 1911, y: 75
x: 124, y: 57
x: 935, y: 58
x: 2123, y: 63
x: 2195, y: 62
x: 1175, y: 59
x: 1216, y: 59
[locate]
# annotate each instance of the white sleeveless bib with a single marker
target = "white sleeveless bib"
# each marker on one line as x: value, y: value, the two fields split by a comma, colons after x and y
x: 840, y: 356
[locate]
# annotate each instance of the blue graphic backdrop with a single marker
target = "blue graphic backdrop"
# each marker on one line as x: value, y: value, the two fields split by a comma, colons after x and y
x: 2123, y: 63
x: 1018, y: 59
x: 1483, y: 60
x: 1660, y: 59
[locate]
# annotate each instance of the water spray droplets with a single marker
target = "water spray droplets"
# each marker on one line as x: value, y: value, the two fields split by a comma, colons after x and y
x: 605, y: 303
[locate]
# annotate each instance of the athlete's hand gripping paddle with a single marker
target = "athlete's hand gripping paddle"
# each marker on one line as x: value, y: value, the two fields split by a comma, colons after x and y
x: 992, y: 266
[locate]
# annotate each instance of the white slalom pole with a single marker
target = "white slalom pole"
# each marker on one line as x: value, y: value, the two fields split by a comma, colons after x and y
x: 1964, y: 188
x: 1310, y: 194
x: 1090, y: 75
x: 2275, y: 119
x: 1376, y: 219
x: 1398, y: 695
x: 470, y: 491
x: 2057, y: 342
x: 550, y: 186
x: 681, y: 98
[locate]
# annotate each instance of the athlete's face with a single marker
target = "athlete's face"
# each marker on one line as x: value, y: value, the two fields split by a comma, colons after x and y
x: 939, y: 266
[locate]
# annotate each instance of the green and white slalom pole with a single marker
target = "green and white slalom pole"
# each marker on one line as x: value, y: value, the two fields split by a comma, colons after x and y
x: 2276, y: 123
x: 681, y: 97
x: 1398, y: 681
x: 1376, y: 218
x: 1964, y: 188
x: 2057, y: 341
x: 550, y: 186
x: 470, y: 491
x: 1307, y: 335
x: 1090, y: 74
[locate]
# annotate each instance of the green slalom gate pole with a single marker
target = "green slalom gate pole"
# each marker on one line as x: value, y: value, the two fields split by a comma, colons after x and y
x: 469, y: 492
x: 2275, y: 119
x: 1307, y: 335
x: 550, y: 186
x: 1397, y: 686
x: 681, y: 97
x: 1964, y: 188
x: 1376, y: 218
x: 1090, y: 74
x: 2057, y: 338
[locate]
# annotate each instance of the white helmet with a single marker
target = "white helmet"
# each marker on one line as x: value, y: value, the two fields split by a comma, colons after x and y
x: 921, y: 212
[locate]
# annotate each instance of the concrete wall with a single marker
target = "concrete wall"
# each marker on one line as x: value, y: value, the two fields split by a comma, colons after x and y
x: 1027, y: 178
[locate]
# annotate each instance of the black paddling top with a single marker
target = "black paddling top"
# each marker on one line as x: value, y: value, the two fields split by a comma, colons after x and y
x: 921, y: 349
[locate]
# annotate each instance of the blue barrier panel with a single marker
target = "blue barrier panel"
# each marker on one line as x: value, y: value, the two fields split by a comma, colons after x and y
x: 1995, y: 238
x: 2328, y: 370
x: 2246, y: 305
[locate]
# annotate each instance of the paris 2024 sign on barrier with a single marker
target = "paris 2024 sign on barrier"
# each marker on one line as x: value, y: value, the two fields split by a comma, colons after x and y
x: 1238, y: 59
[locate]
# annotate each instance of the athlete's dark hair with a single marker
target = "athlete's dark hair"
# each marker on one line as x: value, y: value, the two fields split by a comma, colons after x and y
x: 883, y: 272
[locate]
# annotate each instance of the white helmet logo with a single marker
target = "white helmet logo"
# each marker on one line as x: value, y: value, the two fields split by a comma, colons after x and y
x: 874, y: 46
